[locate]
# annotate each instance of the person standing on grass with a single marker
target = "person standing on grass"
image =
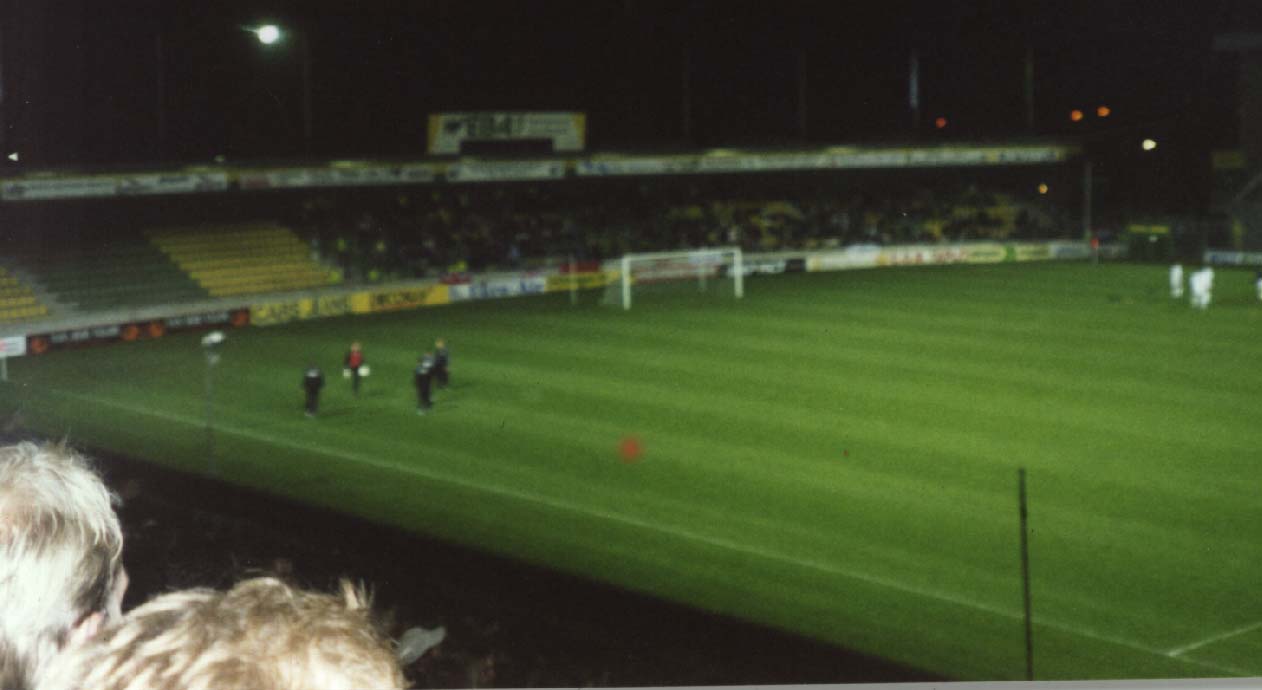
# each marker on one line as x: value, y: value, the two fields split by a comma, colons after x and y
x: 1201, y: 284
x: 312, y: 382
x: 355, y: 367
x: 421, y: 378
x: 1257, y: 284
x: 440, y: 362
x: 1176, y: 281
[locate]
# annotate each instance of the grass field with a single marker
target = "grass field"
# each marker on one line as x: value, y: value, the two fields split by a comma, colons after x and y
x: 836, y: 454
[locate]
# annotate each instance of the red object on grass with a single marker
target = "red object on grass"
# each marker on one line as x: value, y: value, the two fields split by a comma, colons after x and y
x: 630, y: 449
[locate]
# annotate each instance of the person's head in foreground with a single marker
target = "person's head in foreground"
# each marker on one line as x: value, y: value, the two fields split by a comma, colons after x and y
x: 261, y: 635
x: 61, y: 568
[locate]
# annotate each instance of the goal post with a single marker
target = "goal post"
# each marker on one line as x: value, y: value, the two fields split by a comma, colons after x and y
x: 718, y: 270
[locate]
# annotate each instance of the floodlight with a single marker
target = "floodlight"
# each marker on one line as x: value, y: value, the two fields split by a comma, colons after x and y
x: 268, y: 34
x: 1148, y: 145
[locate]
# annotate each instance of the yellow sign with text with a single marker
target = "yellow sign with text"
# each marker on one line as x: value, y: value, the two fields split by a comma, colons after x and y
x: 581, y: 281
x: 273, y: 313
x: 394, y: 300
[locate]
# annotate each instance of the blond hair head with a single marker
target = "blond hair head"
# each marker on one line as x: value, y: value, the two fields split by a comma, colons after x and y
x: 260, y: 635
x: 60, y: 554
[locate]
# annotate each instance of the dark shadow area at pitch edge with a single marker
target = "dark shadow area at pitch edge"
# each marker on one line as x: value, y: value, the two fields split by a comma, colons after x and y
x: 508, y: 623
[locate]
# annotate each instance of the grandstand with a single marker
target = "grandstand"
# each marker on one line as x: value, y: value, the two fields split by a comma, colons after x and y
x: 246, y: 259
x: 119, y: 272
x: 17, y: 301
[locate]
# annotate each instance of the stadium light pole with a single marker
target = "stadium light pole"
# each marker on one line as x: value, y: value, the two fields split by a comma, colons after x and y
x: 210, y: 346
x: 271, y: 35
x: 1088, y: 186
x: 1025, y: 573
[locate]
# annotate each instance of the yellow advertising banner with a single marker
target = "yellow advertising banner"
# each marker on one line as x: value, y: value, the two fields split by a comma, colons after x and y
x: 273, y: 313
x: 394, y: 300
x: 581, y: 281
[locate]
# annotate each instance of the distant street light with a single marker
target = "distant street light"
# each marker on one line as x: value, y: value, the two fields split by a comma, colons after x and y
x: 1075, y: 115
x: 267, y: 34
x: 940, y: 123
x: 1148, y: 145
x: 1103, y: 111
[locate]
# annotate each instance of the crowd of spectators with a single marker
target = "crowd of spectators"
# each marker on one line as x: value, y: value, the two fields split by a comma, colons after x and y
x: 377, y: 234
x: 508, y: 226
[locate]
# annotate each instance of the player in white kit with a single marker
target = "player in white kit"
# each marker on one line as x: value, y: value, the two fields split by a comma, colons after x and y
x: 1201, y: 284
x: 1176, y: 281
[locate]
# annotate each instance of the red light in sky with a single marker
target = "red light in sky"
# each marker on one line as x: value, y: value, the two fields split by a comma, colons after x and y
x: 940, y: 123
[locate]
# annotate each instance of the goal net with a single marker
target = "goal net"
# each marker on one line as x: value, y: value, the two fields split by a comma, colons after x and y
x: 708, y: 273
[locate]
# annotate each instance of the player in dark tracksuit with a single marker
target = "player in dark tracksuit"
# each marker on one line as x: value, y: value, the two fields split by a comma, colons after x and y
x: 421, y: 377
x: 353, y: 362
x: 312, y: 382
x: 440, y: 362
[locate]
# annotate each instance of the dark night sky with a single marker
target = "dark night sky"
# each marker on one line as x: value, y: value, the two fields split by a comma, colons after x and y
x: 81, y: 76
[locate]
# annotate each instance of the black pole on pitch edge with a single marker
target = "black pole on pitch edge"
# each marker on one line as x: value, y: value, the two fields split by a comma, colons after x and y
x: 1025, y: 576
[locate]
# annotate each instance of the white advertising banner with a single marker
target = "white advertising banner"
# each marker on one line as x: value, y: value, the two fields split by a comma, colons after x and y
x: 504, y: 171
x: 366, y: 176
x: 14, y: 346
x: 566, y: 131
x: 59, y: 188
x: 171, y: 183
x: 668, y: 165
x: 852, y: 158
x: 871, y: 256
x: 1223, y: 257
x: 859, y: 256
x: 494, y: 288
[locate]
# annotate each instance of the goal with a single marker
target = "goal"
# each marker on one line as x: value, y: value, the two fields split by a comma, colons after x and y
x: 715, y: 271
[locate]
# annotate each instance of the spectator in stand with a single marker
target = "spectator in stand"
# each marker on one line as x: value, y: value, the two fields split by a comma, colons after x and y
x: 61, y: 568
x: 260, y: 635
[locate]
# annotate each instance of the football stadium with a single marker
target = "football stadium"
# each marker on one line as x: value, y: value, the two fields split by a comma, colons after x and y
x: 949, y: 403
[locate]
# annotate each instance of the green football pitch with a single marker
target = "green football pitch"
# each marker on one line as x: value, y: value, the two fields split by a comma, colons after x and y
x: 835, y: 454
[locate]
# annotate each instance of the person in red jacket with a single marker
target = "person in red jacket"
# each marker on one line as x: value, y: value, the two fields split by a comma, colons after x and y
x: 355, y: 366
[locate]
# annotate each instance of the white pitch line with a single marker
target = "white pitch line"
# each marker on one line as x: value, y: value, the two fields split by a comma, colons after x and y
x: 664, y: 529
x: 1178, y: 651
